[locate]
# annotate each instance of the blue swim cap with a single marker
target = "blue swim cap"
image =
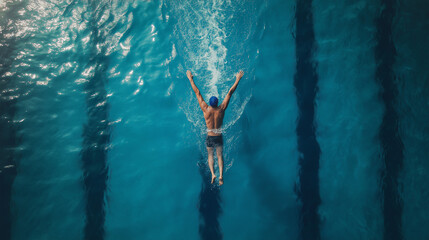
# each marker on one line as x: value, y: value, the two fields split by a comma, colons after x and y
x: 213, y: 101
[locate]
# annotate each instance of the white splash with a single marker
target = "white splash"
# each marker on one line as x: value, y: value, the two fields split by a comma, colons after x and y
x: 203, y: 29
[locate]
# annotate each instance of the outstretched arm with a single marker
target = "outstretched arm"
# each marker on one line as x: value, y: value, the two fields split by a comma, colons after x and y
x: 203, y: 104
x: 225, y: 102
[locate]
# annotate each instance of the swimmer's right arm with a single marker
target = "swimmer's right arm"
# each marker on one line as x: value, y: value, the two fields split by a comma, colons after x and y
x: 201, y: 101
x: 225, y: 102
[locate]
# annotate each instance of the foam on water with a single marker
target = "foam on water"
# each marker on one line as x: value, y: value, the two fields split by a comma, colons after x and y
x: 206, y: 39
x: 202, y: 28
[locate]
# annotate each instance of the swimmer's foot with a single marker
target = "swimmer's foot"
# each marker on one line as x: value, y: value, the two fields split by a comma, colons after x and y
x: 213, y: 178
x: 220, y: 181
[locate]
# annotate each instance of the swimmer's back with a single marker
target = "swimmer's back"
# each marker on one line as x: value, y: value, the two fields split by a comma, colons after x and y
x: 214, y: 119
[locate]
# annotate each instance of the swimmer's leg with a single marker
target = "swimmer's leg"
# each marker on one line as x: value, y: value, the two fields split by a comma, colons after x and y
x: 211, y: 162
x: 219, y: 150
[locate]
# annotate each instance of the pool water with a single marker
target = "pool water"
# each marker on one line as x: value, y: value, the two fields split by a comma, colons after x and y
x: 326, y: 137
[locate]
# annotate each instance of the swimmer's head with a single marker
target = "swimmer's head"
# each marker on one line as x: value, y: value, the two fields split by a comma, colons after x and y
x: 213, y: 101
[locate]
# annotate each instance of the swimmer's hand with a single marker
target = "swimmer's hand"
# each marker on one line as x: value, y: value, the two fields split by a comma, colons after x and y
x: 239, y: 75
x: 189, y: 74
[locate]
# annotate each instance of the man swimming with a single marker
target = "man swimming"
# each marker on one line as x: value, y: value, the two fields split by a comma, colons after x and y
x: 213, y: 115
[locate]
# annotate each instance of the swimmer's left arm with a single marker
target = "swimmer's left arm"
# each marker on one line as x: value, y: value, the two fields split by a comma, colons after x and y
x: 201, y: 101
x: 225, y: 102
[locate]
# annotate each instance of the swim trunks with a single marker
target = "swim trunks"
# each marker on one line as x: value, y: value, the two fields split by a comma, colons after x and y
x: 214, y: 141
x: 218, y: 130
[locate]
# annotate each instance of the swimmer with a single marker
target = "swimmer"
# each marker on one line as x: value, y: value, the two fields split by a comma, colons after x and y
x: 213, y: 115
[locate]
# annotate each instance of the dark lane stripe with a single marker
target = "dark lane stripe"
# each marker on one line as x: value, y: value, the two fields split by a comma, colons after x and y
x: 8, y: 142
x: 390, y: 140
x: 306, y: 88
x: 94, y: 156
x: 209, y: 206
x: 96, y: 137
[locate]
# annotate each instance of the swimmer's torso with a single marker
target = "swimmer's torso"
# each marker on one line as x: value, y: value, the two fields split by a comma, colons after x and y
x: 214, y: 120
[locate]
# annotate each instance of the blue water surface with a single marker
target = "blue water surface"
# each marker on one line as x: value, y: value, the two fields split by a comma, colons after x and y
x: 106, y: 125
